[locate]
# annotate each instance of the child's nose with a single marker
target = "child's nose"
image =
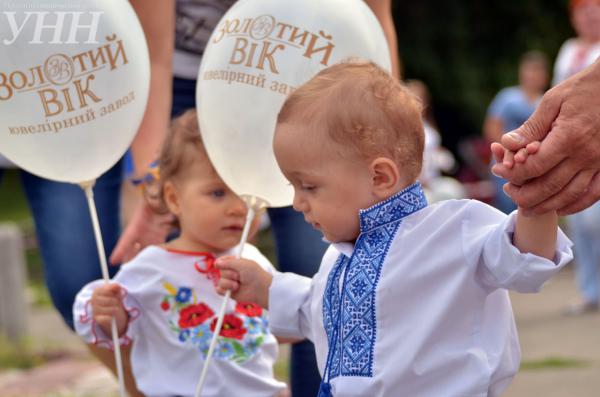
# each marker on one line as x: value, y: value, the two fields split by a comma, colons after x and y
x: 237, y: 207
x: 299, y: 204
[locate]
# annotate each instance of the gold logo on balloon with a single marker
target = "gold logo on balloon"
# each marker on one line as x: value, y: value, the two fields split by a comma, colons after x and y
x: 64, y: 85
x: 59, y: 69
x: 262, y: 27
x: 259, y: 42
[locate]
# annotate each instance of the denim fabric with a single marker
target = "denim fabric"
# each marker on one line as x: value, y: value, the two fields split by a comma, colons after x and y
x: 65, y: 236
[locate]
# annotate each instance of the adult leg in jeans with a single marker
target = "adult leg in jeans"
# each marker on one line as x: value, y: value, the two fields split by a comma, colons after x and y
x: 65, y: 234
x: 299, y: 250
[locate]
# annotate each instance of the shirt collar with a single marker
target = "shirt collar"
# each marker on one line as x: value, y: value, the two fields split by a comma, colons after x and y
x: 396, y: 207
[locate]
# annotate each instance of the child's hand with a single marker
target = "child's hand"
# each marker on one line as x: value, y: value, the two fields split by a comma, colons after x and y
x: 528, y: 150
x: 106, y: 304
x: 509, y: 158
x: 247, y: 281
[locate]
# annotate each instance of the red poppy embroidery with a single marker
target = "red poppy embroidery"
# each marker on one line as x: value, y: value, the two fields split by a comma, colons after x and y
x: 165, y: 305
x: 249, y: 309
x: 233, y: 327
x: 194, y: 315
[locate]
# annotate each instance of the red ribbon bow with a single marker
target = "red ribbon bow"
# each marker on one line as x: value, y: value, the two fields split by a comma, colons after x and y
x: 209, y: 269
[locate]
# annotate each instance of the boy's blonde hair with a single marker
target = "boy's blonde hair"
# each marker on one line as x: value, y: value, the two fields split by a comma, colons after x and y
x: 362, y: 106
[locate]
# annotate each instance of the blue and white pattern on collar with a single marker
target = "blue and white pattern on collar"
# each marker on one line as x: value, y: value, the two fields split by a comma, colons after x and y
x: 349, y: 316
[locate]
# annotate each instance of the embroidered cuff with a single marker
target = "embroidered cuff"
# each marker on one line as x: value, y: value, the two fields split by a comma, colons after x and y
x: 86, y: 326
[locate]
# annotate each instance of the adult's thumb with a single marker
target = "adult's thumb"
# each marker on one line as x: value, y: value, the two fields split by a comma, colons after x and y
x: 538, y: 125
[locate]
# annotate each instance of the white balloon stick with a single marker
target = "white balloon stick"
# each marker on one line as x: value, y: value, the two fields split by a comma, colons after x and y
x: 89, y: 193
x: 253, y: 205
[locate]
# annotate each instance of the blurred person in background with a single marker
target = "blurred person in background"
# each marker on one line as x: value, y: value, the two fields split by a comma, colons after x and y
x: 576, y: 54
x: 436, y: 158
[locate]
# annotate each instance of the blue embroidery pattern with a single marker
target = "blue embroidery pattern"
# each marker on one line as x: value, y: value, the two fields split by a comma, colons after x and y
x: 349, y: 316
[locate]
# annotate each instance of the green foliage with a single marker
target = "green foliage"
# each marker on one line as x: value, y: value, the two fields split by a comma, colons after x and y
x: 553, y: 363
x: 14, y: 209
x: 13, y: 205
x: 19, y: 355
x: 466, y: 50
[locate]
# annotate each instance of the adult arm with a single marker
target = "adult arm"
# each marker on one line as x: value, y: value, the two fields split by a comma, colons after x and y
x: 383, y: 11
x: 564, y: 174
x: 158, y: 21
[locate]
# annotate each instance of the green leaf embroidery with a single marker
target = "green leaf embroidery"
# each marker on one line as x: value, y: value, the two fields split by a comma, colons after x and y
x: 238, y: 349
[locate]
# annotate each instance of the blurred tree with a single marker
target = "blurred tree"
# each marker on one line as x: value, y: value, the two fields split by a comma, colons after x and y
x: 466, y: 50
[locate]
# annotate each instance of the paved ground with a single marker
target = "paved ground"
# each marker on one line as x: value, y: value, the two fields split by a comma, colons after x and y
x: 549, y: 341
x: 545, y: 334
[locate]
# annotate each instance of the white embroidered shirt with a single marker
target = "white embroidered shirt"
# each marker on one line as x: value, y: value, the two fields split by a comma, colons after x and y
x: 419, y: 305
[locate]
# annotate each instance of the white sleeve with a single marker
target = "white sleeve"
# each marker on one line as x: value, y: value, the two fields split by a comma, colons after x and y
x: 289, y: 305
x: 487, y: 243
x: 83, y: 315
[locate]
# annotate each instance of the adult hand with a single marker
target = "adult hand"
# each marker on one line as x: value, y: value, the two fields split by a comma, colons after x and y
x: 564, y: 174
x: 146, y: 227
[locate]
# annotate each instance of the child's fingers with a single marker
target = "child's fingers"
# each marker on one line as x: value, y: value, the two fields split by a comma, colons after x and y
x: 227, y: 285
x: 497, y: 151
x: 226, y: 258
x: 103, y: 320
x: 111, y: 289
x: 521, y: 155
x: 114, y: 289
x: 509, y: 159
x: 105, y: 302
x: 231, y: 263
x: 109, y: 311
x: 533, y: 147
x: 230, y: 275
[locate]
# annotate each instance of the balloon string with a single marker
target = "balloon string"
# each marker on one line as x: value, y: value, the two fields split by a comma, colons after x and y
x: 89, y: 193
x: 213, y: 342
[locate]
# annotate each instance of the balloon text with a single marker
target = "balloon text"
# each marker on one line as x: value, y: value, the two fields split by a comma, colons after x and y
x: 63, y: 82
x: 260, y: 39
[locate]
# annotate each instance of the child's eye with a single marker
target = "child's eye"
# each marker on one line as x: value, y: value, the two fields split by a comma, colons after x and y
x: 218, y: 193
x: 308, y: 188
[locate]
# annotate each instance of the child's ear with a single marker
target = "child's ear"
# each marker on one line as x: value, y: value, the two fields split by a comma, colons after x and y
x: 386, y: 177
x: 171, y: 197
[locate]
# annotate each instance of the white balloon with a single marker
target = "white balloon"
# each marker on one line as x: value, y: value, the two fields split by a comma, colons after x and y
x: 260, y: 51
x: 74, y: 80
